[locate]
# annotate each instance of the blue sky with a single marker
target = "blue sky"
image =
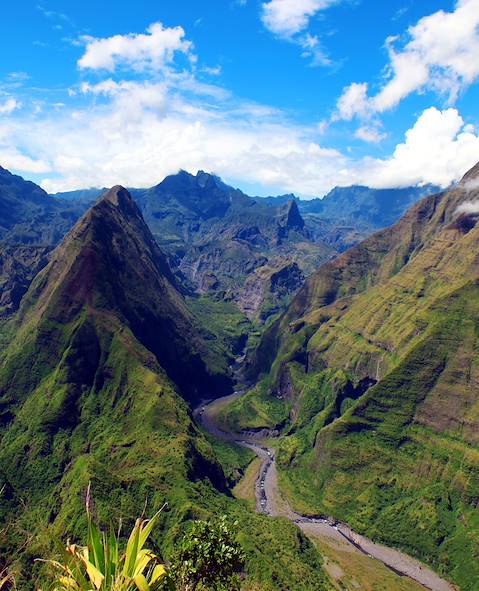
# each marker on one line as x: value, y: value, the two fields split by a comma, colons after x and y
x: 273, y: 95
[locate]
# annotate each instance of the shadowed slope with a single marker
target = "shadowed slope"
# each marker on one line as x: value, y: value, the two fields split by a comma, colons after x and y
x: 89, y: 382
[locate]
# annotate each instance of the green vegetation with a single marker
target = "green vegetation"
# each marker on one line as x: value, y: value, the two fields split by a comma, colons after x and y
x: 225, y: 322
x: 234, y: 459
x: 255, y: 410
x: 208, y: 558
x: 398, y: 459
x: 104, y: 565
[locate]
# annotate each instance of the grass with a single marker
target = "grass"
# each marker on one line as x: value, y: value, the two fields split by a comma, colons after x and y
x: 255, y: 410
x: 245, y: 488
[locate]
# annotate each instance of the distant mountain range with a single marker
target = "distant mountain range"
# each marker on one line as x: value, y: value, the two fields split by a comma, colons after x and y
x: 364, y: 208
x: 255, y: 252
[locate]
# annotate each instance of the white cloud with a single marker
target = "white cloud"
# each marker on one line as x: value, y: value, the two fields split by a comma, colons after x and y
x: 312, y: 49
x: 135, y: 132
x: 137, y: 51
x: 12, y: 158
x: 468, y: 207
x: 471, y: 185
x: 440, y: 55
x: 288, y: 17
x: 353, y: 101
x: 8, y: 106
x: 437, y: 150
x: 212, y: 70
x: 141, y: 133
x: 369, y: 134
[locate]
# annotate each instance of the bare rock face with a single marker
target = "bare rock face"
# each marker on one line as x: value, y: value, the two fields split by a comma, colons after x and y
x: 269, y: 289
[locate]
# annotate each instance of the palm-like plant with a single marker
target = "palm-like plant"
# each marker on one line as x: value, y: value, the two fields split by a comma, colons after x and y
x: 5, y: 580
x: 101, y: 566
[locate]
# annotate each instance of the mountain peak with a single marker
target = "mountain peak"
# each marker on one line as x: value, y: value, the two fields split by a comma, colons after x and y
x: 120, y: 198
x: 290, y: 216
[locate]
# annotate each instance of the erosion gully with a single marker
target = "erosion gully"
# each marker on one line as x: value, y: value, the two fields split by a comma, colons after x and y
x: 270, y: 502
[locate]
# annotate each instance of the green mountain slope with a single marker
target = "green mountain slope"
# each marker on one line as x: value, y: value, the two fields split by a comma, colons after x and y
x: 95, y: 371
x: 373, y: 379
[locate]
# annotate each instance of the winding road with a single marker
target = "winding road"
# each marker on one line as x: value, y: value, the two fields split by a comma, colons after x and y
x: 270, y: 502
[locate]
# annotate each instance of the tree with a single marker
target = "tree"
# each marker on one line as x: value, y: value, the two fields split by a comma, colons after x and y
x: 208, y: 558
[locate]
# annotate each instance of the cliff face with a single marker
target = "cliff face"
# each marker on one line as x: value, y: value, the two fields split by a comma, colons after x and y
x: 267, y: 290
x: 377, y: 359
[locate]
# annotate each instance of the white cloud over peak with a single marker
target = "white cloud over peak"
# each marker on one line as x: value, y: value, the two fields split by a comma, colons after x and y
x: 438, y: 149
x: 440, y: 55
x: 138, y: 51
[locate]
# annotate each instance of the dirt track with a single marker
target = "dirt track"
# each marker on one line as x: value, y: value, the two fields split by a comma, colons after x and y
x: 270, y: 502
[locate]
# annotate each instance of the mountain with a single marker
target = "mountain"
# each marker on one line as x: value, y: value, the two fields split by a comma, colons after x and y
x: 96, y: 370
x: 376, y: 207
x: 18, y: 266
x: 348, y: 215
x: 29, y: 215
x: 31, y: 223
x: 225, y: 242
x: 373, y: 380
x: 86, y: 195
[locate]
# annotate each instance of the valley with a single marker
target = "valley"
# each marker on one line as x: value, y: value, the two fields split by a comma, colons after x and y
x: 270, y: 501
x: 239, y: 295
x: 344, y: 428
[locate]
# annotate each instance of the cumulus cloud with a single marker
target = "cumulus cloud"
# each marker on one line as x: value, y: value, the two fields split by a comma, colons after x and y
x: 137, y: 51
x: 438, y: 149
x: 440, y: 55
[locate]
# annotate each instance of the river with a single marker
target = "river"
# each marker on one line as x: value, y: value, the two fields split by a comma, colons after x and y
x: 270, y: 502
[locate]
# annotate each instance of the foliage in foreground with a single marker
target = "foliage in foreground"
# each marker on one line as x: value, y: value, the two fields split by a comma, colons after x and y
x: 102, y: 566
x: 208, y: 557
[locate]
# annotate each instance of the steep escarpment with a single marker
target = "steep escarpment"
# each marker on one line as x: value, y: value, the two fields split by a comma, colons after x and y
x: 371, y: 373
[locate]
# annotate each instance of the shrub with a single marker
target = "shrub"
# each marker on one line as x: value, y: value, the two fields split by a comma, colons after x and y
x: 209, y: 558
